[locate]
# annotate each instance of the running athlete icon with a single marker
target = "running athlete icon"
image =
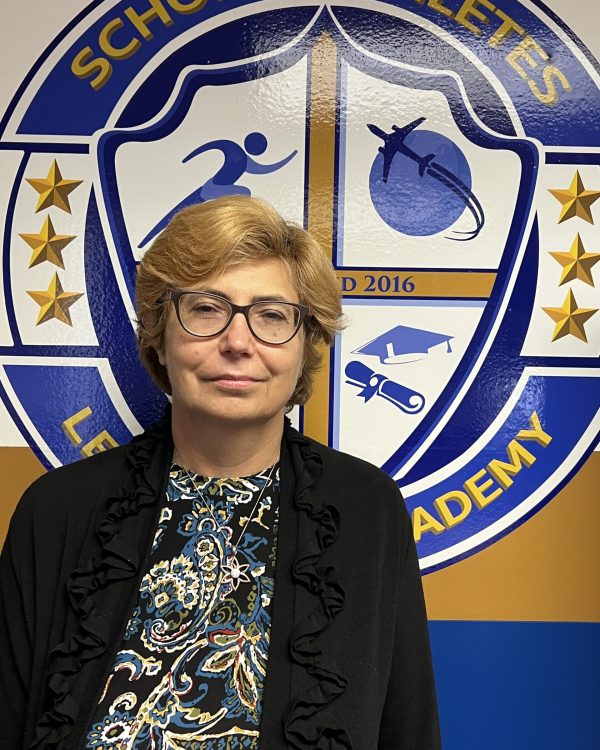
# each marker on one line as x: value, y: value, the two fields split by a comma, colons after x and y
x: 238, y: 161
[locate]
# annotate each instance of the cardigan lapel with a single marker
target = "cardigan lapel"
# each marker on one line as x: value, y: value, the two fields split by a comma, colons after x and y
x: 300, y: 681
x: 278, y: 685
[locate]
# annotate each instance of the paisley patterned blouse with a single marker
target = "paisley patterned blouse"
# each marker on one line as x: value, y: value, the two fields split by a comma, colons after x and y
x: 190, y: 671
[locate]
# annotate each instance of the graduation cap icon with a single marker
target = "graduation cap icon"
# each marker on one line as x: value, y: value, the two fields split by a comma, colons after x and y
x: 404, y: 344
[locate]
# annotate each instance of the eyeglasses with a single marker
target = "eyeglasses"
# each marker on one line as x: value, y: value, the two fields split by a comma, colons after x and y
x: 204, y: 314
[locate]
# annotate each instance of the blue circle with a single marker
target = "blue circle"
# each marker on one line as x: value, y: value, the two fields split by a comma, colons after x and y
x: 419, y: 204
x: 255, y: 144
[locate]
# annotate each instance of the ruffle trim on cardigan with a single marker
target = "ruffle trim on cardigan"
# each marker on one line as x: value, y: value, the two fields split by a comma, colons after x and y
x: 302, y: 727
x: 88, y: 637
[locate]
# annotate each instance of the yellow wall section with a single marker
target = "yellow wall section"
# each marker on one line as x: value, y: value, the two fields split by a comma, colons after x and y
x: 18, y: 468
x: 547, y: 569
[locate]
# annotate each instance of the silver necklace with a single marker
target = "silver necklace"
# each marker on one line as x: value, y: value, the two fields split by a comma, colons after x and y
x: 234, y: 572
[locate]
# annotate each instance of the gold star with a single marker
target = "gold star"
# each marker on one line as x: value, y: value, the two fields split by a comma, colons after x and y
x: 569, y: 318
x: 47, y: 245
x: 576, y: 201
x: 53, y: 190
x: 577, y: 264
x: 54, y: 303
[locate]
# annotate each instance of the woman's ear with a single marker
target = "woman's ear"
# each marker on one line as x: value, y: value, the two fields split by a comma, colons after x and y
x: 149, y: 319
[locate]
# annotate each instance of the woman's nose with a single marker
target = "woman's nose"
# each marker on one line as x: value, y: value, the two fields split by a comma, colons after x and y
x: 238, y: 336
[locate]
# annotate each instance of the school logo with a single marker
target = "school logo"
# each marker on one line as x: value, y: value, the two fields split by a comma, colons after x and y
x: 445, y: 156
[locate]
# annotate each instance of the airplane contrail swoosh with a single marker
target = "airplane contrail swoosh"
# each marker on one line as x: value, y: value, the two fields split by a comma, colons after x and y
x: 464, y: 192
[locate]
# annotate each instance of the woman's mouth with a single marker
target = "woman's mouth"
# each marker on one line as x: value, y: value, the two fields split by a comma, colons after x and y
x: 234, y: 382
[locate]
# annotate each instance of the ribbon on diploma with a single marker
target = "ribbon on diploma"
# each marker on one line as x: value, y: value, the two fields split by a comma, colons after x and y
x: 374, y: 384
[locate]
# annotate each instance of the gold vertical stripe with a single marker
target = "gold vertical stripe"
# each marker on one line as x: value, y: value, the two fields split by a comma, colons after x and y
x: 323, y: 95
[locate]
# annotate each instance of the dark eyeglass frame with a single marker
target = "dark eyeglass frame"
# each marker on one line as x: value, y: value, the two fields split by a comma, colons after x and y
x: 176, y: 294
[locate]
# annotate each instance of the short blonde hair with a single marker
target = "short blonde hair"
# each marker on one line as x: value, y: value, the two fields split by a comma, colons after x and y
x: 208, y: 238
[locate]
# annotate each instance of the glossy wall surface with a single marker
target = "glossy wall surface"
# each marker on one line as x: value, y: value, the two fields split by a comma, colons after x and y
x: 446, y: 154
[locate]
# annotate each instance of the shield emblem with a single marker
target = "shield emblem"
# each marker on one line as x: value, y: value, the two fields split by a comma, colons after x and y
x: 424, y: 206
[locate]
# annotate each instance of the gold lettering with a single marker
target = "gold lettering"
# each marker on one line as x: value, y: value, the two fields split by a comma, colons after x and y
x: 141, y: 20
x: 517, y: 457
x: 455, y: 506
x: 102, y: 442
x: 423, y: 521
x: 447, y: 516
x: 506, y: 28
x: 476, y: 491
x: 105, y: 41
x: 69, y: 424
x: 549, y: 73
x: 440, y: 7
x: 536, y: 433
x: 470, y: 8
x: 521, y: 52
x: 550, y: 96
x: 83, y: 67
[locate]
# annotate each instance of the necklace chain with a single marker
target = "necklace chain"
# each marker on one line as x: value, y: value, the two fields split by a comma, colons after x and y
x: 235, y: 571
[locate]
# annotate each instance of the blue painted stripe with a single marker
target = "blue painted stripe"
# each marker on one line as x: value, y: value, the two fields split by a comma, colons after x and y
x: 517, y: 685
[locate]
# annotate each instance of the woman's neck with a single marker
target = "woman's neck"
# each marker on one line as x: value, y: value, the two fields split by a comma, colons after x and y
x: 226, y: 449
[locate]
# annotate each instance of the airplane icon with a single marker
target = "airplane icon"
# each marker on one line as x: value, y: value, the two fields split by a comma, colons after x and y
x: 394, y: 143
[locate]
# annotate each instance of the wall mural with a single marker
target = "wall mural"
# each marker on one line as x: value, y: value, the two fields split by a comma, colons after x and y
x: 445, y: 154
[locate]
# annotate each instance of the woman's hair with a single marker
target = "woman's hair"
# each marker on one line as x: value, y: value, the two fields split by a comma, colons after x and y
x: 209, y: 238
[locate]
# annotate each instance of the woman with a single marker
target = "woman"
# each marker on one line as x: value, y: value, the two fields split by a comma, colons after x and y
x: 222, y: 581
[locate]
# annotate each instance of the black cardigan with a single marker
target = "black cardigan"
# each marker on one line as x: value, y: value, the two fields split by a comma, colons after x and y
x: 349, y: 661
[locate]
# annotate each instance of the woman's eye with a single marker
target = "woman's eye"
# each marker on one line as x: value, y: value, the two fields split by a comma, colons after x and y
x: 272, y: 315
x: 203, y: 308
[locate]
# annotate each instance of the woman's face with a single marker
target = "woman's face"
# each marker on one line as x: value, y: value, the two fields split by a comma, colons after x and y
x: 233, y: 376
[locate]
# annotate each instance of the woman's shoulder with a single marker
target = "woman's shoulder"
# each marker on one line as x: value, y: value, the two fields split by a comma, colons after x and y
x: 84, y: 470
x: 73, y: 488
x: 354, y: 473
x: 367, y: 499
